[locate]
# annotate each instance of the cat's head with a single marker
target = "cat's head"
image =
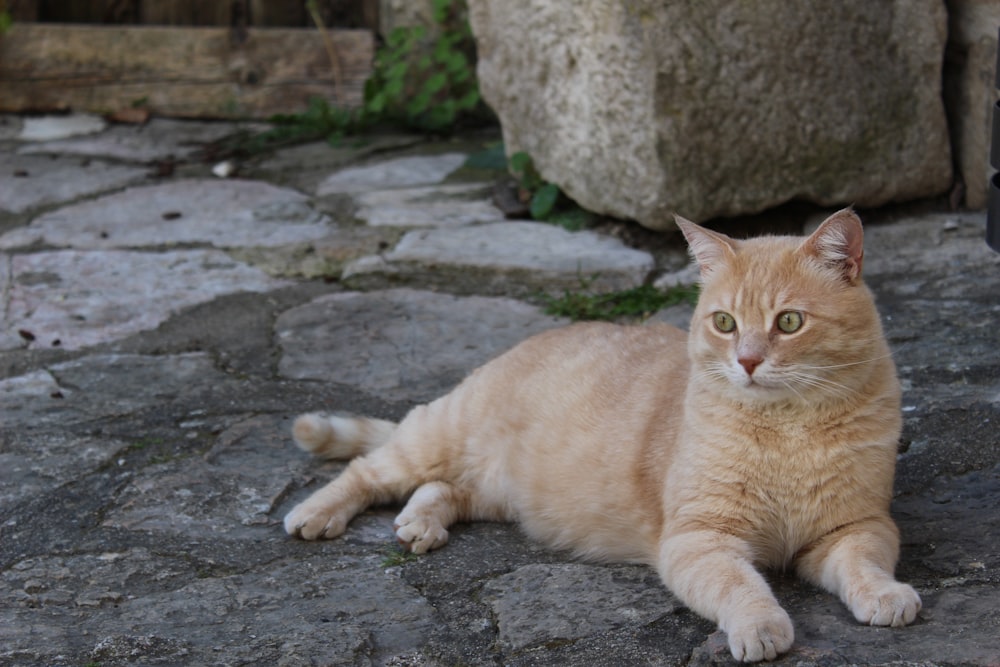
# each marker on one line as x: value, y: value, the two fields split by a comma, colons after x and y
x: 784, y: 318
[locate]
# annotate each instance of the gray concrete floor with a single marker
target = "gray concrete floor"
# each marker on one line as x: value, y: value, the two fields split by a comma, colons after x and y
x: 162, y: 325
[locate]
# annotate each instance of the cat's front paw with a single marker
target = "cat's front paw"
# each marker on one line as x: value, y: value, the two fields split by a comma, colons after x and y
x: 761, y: 635
x: 892, y: 603
x: 419, y: 534
x: 313, y: 521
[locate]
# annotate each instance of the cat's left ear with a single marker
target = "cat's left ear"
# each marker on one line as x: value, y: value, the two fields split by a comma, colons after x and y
x: 838, y: 243
x: 710, y: 249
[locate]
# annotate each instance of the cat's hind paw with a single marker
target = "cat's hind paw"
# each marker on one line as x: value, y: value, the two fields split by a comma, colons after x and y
x: 893, y: 603
x: 419, y: 534
x: 761, y: 635
x: 312, y: 522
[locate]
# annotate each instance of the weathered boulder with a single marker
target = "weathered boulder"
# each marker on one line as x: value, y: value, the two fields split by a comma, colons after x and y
x: 970, y: 91
x: 712, y: 108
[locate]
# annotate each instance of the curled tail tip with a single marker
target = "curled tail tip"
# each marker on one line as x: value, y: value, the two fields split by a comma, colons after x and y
x: 313, y: 432
x: 332, y: 437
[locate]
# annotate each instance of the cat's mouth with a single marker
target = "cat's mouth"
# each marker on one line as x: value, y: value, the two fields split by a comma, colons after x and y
x: 762, y: 385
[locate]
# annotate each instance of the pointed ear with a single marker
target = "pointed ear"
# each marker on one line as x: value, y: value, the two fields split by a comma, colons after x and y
x: 710, y: 249
x: 838, y: 243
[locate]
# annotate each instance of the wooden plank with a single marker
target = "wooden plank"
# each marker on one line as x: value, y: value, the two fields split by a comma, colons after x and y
x: 184, y: 72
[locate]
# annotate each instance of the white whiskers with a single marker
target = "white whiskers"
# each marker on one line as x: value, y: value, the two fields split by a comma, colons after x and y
x: 714, y: 370
x: 812, y: 381
x: 850, y: 363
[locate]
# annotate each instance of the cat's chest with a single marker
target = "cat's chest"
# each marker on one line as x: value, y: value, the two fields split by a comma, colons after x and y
x: 778, y: 490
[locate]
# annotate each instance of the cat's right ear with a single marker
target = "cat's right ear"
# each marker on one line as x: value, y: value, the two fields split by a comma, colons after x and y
x: 710, y: 249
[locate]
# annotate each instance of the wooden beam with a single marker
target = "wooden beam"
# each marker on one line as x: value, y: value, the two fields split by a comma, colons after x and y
x: 184, y: 72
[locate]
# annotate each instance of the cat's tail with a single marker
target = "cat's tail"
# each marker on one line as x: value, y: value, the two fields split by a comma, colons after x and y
x: 332, y: 437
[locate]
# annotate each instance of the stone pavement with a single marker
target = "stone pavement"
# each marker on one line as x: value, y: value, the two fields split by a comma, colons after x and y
x: 161, y: 326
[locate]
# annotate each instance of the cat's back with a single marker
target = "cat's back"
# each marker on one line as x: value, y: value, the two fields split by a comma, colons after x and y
x: 609, y: 360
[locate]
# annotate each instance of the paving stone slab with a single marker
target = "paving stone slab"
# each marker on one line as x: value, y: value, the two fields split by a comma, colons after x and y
x: 31, y: 181
x: 953, y: 527
x: 33, y: 464
x: 222, y: 213
x: 50, y: 128
x: 159, y: 139
x: 539, y: 604
x: 394, y: 173
x: 826, y: 633
x: 237, y: 489
x: 325, y: 257
x: 99, y: 386
x: 23, y: 393
x: 305, y: 166
x: 898, y: 255
x: 73, y: 299
x: 199, y: 501
x: 517, y: 258
x: 9, y: 337
x: 401, y: 343
x: 344, y: 612
x: 10, y: 126
x: 438, y: 206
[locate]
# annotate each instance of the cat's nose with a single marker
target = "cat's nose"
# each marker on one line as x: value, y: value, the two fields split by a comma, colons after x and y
x: 750, y: 363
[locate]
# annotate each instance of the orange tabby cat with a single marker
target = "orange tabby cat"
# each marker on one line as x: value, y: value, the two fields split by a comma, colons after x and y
x: 764, y: 438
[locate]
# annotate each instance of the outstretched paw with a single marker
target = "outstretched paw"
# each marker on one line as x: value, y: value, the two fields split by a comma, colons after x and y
x: 893, y: 603
x: 761, y: 635
x: 419, y: 534
x: 312, y: 521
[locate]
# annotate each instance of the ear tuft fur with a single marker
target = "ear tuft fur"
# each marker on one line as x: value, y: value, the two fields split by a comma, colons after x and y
x: 709, y: 249
x: 839, y: 244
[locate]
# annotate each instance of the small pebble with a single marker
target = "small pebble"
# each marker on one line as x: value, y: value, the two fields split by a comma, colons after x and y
x: 224, y: 169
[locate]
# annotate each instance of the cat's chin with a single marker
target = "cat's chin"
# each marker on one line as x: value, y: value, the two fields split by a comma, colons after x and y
x: 763, y: 390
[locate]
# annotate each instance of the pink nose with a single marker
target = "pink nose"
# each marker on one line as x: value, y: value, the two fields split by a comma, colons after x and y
x: 750, y: 364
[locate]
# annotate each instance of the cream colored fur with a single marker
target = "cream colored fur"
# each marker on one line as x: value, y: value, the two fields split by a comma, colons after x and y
x: 706, y: 456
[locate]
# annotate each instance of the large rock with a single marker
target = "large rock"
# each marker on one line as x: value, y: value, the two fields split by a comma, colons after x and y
x: 970, y: 91
x: 713, y: 108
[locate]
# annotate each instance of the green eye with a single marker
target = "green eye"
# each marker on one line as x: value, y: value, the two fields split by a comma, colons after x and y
x: 724, y: 322
x: 790, y: 321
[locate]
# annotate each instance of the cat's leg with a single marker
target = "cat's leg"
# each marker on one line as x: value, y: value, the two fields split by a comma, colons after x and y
x: 856, y: 563
x: 380, y: 477
x: 423, y: 523
x: 713, y: 574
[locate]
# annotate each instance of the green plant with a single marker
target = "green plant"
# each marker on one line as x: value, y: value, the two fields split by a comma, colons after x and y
x: 493, y: 157
x: 422, y: 80
x: 545, y: 200
x: 572, y: 218
x: 425, y: 79
x: 541, y: 195
x: 395, y: 556
x: 6, y: 20
x: 638, y: 302
x: 320, y: 120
